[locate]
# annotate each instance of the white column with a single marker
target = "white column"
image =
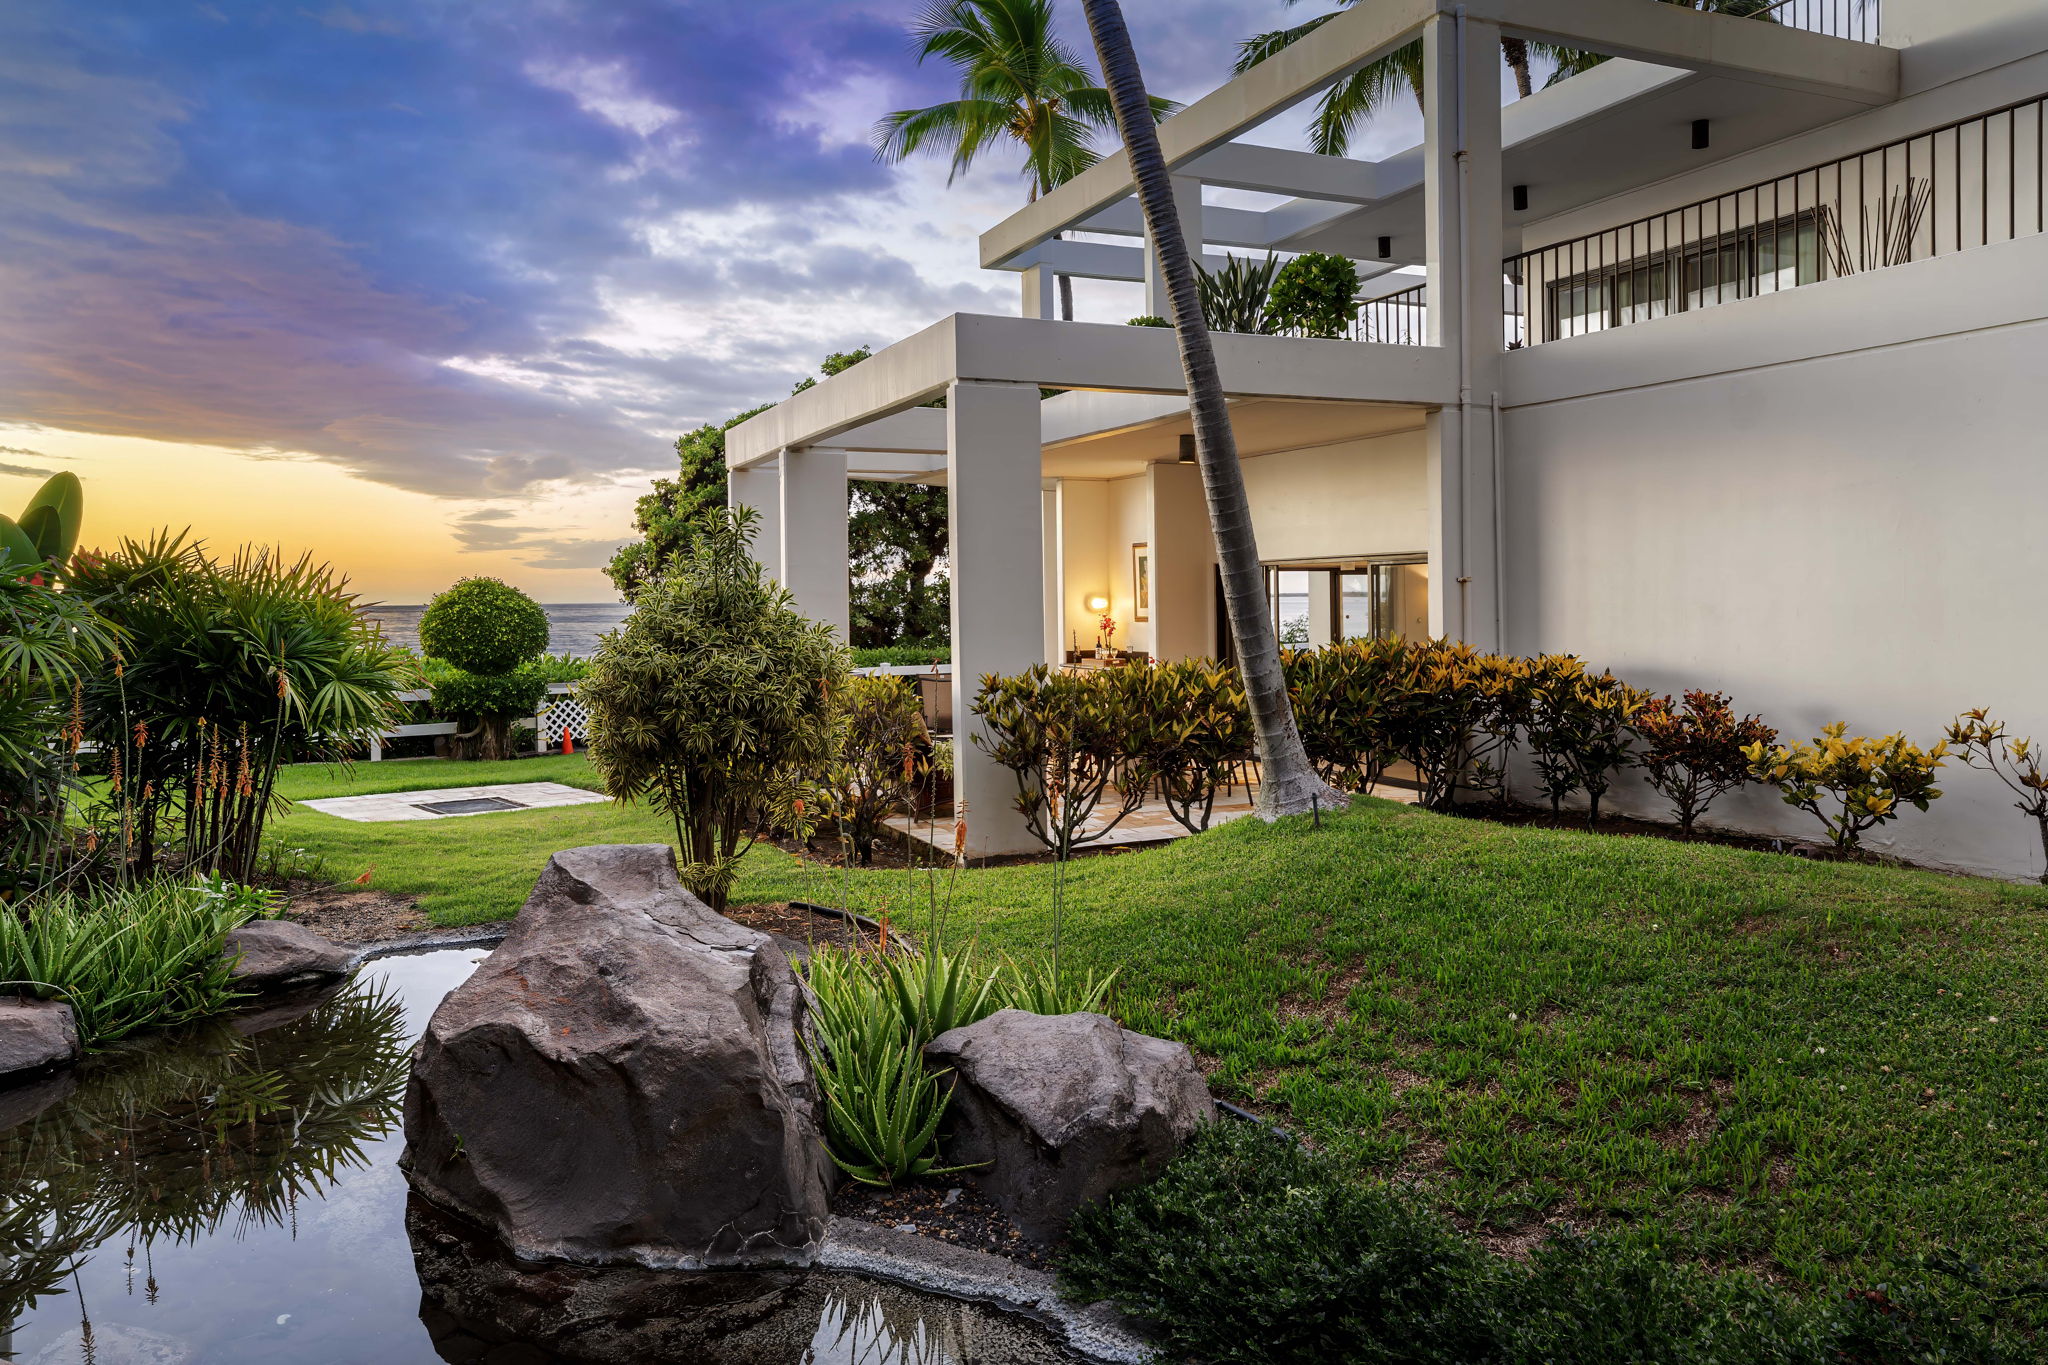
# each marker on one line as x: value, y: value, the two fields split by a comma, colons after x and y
x: 1041, y: 292
x: 1187, y: 203
x: 814, y: 534
x: 1462, y: 203
x: 759, y: 487
x: 996, y: 545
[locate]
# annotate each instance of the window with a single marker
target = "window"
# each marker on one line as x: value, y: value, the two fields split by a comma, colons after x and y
x: 1700, y: 274
x: 1319, y: 604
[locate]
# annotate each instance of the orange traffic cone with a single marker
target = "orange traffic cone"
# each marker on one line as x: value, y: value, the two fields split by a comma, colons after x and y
x: 568, y: 741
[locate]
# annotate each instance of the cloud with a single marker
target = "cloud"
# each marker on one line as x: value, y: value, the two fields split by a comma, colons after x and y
x: 25, y: 471
x: 24, y: 450
x: 493, y: 530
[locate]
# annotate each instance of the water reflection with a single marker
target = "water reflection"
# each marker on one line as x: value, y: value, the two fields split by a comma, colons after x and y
x: 229, y: 1195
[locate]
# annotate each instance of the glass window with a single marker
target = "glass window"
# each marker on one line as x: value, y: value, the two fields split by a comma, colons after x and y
x: 1287, y: 590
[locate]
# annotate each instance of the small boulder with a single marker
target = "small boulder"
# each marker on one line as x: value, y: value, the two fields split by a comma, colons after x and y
x: 1065, y: 1109
x: 272, y: 954
x: 36, y: 1036
x: 621, y: 1082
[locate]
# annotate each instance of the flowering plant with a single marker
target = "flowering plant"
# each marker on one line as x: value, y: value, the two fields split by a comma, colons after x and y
x: 1108, y: 631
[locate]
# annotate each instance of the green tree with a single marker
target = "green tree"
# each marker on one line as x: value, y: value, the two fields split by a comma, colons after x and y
x: 1289, y: 783
x: 1019, y: 84
x: 713, y: 692
x: 1348, y: 104
x: 489, y: 634
x: 668, y: 516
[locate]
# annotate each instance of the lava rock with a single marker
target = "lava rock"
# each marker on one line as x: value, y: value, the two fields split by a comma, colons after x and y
x: 273, y: 954
x: 622, y: 1082
x: 36, y: 1036
x: 1059, y: 1111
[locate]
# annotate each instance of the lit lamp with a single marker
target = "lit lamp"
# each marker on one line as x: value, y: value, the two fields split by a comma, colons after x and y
x: 1097, y: 602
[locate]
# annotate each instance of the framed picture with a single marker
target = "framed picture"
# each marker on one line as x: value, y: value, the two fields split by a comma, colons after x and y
x: 1141, y: 582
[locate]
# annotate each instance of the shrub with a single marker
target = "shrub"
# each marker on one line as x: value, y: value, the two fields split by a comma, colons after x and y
x: 1692, y: 750
x: 881, y: 750
x: 1342, y: 695
x: 144, y: 955
x: 483, y: 626
x: 229, y: 668
x: 1063, y: 738
x: 1185, y: 731
x: 487, y: 700
x: 1234, y: 298
x: 1314, y: 295
x: 1251, y: 1249
x: 1147, y: 320
x: 713, y: 692
x: 1981, y: 742
x: 902, y: 654
x: 1577, y: 727
x: 1851, y: 784
x: 1445, y: 717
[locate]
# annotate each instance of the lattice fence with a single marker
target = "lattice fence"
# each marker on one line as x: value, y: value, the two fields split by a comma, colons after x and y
x: 564, y: 709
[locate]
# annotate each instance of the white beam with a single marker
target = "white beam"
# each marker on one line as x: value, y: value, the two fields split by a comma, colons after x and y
x: 1220, y: 226
x: 1282, y: 170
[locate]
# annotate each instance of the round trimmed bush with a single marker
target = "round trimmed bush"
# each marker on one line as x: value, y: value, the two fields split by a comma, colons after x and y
x: 484, y: 626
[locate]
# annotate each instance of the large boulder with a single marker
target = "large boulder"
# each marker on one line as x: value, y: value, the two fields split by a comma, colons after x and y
x: 1065, y: 1109
x: 621, y: 1082
x: 35, y: 1036
x: 273, y: 954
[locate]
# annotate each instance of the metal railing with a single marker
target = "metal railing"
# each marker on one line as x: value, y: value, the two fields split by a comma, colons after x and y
x: 1966, y: 184
x: 1856, y: 20
x: 1400, y: 319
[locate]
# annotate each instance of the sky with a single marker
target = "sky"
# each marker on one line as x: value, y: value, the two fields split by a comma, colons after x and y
x: 429, y: 287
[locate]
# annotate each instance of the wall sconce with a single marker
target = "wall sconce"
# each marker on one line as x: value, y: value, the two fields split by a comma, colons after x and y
x: 1097, y: 602
x: 1700, y: 135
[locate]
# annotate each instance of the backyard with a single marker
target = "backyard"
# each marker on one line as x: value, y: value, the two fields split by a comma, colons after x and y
x: 1819, y: 1071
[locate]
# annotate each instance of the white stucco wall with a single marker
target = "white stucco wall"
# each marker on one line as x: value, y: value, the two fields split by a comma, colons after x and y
x: 1825, y: 502
x: 1130, y: 523
x: 1357, y: 498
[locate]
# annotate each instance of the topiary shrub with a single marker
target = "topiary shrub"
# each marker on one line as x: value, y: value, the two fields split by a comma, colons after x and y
x: 1313, y: 295
x: 491, y: 635
x: 483, y: 626
x: 1147, y: 320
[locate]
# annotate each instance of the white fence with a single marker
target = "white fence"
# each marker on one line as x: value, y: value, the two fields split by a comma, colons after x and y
x: 562, y: 711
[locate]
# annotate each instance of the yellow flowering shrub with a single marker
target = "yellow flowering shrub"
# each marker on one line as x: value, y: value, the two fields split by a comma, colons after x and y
x: 1850, y: 783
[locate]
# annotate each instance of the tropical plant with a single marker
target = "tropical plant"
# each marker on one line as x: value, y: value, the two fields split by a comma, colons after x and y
x: 227, y: 669
x: 1342, y: 699
x: 50, y: 641
x: 668, y: 516
x: 1288, y: 784
x: 128, y: 957
x: 1185, y: 734
x: 1147, y: 320
x: 1314, y: 295
x: 713, y: 691
x: 1577, y: 727
x: 881, y: 750
x: 1062, y: 737
x: 1019, y: 84
x: 1445, y: 716
x: 489, y: 633
x: 1692, y: 751
x: 1045, y: 989
x: 1850, y: 783
x: 47, y: 531
x: 1981, y: 742
x: 1234, y: 299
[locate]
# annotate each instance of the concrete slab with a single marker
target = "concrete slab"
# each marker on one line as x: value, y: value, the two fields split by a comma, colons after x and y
x: 389, y: 806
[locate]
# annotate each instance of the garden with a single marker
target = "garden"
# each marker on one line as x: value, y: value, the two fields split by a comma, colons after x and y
x: 1505, y: 1089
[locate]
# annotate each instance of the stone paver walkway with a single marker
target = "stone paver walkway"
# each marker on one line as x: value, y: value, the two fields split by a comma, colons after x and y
x: 415, y: 805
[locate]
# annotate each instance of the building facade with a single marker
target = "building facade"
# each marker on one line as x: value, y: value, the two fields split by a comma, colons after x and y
x: 1715, y: 364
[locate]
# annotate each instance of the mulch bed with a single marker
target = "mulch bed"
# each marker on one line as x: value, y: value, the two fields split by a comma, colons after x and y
x: 800, y: 926
x: 1624, y: 826
x: 955, y: 1213
x: 348, y: 914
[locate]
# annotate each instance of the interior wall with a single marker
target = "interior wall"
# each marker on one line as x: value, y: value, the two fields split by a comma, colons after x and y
x: 1129, y: 523
x: 1848, y: 533
x: 1183, y: 565
x: 1356, y: 498
x: 1083, y: 508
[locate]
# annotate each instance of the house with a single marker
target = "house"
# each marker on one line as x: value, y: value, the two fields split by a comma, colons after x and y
x: 1719, y: 364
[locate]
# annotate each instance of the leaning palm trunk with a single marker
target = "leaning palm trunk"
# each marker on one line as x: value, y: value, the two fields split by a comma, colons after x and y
x: 1289, y: 784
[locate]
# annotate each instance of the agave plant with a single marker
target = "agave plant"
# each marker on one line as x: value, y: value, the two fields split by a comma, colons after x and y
x: 1234, y: 299
x: 1046, y: 990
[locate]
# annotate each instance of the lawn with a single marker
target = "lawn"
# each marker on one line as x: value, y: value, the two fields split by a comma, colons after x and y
x: 1820, y: 1071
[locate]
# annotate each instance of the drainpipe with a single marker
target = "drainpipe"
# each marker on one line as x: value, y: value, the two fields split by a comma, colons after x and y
x: 1463, y: 159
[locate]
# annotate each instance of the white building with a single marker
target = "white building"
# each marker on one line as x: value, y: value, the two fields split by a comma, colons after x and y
x: 1725, y: 371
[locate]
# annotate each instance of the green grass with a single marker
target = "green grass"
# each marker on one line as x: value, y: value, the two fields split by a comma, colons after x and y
x: 1816, y: 1070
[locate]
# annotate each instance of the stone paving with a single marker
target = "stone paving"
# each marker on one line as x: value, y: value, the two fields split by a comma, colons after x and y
x: 414, y: 805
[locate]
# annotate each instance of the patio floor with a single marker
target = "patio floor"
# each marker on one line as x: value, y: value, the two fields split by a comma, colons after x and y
x: 1150, y: 823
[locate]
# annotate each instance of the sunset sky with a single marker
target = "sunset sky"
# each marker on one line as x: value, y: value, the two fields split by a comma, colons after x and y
x: 430, y: 286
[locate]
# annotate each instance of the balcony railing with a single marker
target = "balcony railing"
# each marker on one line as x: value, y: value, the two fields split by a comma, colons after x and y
x: 1856, y: 20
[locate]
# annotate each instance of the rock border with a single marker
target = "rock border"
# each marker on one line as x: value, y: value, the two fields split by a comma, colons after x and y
x: 1097, y: 1332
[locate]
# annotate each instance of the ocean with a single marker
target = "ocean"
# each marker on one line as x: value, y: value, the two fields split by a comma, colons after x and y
x: 573, y: 627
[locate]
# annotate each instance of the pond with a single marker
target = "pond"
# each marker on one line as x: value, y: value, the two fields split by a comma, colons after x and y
x: 230, y: 1195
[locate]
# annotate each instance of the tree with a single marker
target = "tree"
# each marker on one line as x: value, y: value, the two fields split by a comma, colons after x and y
x: 1018, y: 83
x: 713, y: 692
x: 488, y: 633
x: 1353, y: 100
x: 1288, y: 782
x: 667, y: 518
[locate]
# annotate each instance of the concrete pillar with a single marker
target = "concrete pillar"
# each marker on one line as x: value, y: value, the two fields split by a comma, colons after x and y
x: 759, y: 486
x: 1462, y: 202
x: 814, y: 564
x: 1041, y: 292
x: 1322, y: 608
x: 997, y: 548
x: 1187, y: 203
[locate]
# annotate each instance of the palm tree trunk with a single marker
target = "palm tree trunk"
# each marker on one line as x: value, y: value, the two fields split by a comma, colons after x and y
x: 1289, y: 784
x: 1516, y: 51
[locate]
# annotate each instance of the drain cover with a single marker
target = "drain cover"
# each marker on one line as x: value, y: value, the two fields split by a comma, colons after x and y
x: 469, y: 805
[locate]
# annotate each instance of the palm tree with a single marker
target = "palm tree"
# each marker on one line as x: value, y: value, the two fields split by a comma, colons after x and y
x: 1355, y: 99
x: 1288, y: 783
x: 1018, y: 84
